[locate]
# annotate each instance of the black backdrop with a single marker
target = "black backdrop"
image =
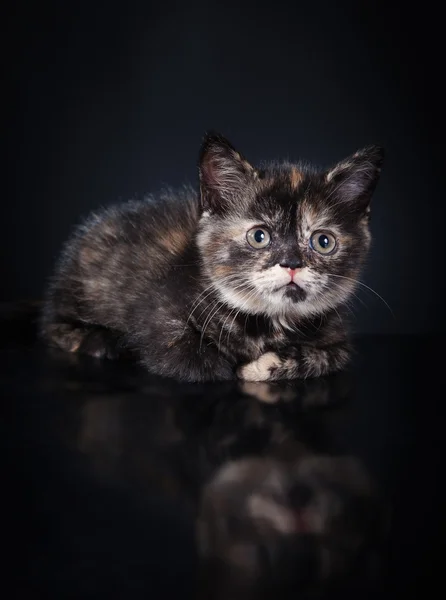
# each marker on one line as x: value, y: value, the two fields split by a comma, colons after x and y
x: 110, y: 100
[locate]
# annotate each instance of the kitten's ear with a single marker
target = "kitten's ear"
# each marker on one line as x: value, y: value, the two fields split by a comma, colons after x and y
x: 353, y: 181
x: 224, y: 174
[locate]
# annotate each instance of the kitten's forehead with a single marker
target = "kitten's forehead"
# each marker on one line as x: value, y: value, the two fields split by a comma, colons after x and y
x: 285, y: 176
x: 291, y: 198
x: 277, y: 195
x: 314, y: 215
x: 274, y: 207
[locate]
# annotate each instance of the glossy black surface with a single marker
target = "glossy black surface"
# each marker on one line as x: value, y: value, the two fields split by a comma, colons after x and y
x: 105, y: 469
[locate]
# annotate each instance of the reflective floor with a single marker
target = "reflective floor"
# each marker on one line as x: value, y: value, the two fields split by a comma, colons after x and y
x: 121, y: 485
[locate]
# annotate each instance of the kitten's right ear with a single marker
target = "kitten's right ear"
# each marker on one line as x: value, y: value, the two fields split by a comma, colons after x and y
x: 224, y: 174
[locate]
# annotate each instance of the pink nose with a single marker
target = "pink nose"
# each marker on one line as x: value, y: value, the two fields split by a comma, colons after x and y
x: 292, y: 272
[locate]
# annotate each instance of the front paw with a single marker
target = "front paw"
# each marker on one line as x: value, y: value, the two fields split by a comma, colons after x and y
x: 262, y: 369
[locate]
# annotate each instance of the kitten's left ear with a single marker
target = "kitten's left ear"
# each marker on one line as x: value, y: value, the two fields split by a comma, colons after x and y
x: 353, y: 181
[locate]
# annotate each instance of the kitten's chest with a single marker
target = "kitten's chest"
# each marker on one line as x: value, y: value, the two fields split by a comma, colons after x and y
x: 246, y: 337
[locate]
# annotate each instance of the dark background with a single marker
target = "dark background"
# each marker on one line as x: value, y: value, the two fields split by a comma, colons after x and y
x: 107, y: 101
x: 110, y: 101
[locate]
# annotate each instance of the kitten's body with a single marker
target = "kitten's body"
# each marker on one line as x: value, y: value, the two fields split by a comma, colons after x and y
x: 174, y: 280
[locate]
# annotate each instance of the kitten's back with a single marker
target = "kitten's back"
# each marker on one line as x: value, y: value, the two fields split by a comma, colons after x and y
x: 139, y: 237
x: 111, y: 259
x: 144, y: 234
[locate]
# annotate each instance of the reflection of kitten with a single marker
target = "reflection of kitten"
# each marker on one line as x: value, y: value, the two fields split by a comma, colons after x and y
x: 275, y: 503
x: 268, y: 524
x: 246, y: 278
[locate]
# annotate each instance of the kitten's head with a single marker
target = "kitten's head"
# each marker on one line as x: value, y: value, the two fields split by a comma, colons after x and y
x: 284, y: 240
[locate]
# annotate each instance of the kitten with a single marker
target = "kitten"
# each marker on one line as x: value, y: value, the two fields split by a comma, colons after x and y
x: 243, y: 279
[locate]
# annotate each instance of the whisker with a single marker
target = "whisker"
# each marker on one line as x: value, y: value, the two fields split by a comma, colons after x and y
x: 229, y: 315
x: 347, y: 302
x: 208, y: 320
x: 251, y: 295
x: 223, y: 326
x: 209, y: 307
x: 366, y: 287
x: 211, y: 314
x: 196, y: 304
x: 337, y: 312
x: 197, y: 301
x: 246, y: 321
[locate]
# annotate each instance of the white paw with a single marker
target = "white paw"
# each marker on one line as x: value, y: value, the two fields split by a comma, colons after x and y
x: 260, y: 369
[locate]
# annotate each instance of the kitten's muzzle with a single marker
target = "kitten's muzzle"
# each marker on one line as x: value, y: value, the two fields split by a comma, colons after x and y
x: 292, y: 272
x: 292, y: 266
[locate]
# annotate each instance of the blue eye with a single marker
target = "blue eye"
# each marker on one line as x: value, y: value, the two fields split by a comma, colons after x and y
x: 323, y: 242
x: 258, y: 237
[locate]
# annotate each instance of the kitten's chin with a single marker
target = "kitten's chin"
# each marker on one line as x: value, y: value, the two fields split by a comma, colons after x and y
x: 293, y: 303
x: 286, y: 304
x: 294, y: 292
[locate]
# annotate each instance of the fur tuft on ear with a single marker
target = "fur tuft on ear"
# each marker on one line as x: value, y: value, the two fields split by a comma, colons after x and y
x: 353, y: 180
x: 224, y: 173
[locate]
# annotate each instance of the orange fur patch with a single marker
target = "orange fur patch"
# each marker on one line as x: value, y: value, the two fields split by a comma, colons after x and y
x: 295, y: 178
x: 222, y: 270
x: 174, y: 240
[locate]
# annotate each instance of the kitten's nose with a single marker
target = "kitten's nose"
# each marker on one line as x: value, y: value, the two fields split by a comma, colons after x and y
x: 291, y: 263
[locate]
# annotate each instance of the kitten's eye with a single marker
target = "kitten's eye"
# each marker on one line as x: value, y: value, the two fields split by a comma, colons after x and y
x: 258, y: 237
x: 323, y: 242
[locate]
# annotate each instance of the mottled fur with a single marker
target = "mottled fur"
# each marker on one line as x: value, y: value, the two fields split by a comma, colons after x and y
x: 174, y: 280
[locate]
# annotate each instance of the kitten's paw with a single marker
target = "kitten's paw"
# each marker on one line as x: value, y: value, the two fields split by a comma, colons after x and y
x: 98, y: 343
x: 262, y: 369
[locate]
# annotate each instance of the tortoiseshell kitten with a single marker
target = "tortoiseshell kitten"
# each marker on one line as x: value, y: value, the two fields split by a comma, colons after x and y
x: 244, y: 279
